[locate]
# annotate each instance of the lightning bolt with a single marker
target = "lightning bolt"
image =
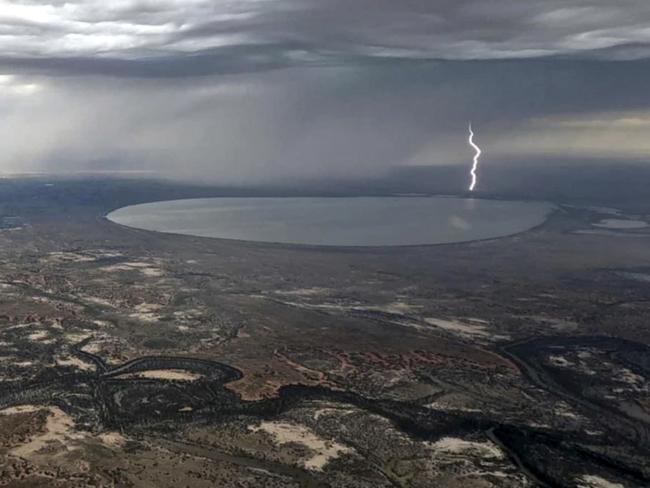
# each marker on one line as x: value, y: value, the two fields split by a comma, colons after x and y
x: 472, y: 185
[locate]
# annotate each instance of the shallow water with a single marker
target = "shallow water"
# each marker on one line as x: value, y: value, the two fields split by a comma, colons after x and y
x: 357, y: 221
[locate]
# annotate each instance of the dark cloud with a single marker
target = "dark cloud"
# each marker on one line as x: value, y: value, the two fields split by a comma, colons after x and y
x: 100, y: 36
x: 260, y: 90
x: 226, y: 60
x: 343, y: 121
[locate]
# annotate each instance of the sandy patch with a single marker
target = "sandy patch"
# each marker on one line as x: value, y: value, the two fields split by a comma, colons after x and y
x: 67, y: 257
x: 332, y: 411
x: 18, y: 326
x: 152, y: 272
x: 59, y: 427
x: 285, y: 433
x: 76, y: 337
x: 635, y: 381
x: 57, y: 324
x: 112, y: 349
x: 456, y: 446
x: 165, y: 374
x: 465, y: 329
x: 564, y: 410
x: 93, y: 348
x: 74, y: 362
x: 147, y: 269
x: 146, y: 312
x: 453, y: 402
x: 20, y: 409
x: 98, y: 301
x: 137, y: 264
x: 39, y: 335
x: 305, y: 292
x: 477, y: 321
x: 7, y: 287
x: 189, y: 314
x: 102, y: 253
x: 147, y: 307
x: 397, y: 308
x: 112, y: 439
x: 593, y: 481
x: 560, y: 361
x: 149, y: 317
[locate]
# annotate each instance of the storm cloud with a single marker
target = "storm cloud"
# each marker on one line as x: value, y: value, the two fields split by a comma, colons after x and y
x: 304, y: 31
x: 270, y: 90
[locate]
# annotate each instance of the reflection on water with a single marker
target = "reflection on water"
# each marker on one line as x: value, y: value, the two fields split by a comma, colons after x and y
x: 361, y: 221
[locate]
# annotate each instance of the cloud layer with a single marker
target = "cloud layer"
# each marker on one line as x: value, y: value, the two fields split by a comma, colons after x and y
x: 187, y: 37
x: 269, y: 90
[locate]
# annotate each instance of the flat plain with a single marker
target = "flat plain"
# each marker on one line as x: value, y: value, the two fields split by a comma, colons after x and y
x: 138, y: 359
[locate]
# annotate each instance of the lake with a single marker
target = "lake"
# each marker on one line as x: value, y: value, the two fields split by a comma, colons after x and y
x: 353, y: 221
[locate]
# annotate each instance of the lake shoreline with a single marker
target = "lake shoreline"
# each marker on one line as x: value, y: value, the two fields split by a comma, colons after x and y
x: 343, y: 222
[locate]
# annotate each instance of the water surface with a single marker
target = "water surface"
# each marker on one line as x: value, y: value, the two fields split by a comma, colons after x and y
x: 355, y: 221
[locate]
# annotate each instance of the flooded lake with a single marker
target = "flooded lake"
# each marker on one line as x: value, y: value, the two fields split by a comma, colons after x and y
x: 354, y: 221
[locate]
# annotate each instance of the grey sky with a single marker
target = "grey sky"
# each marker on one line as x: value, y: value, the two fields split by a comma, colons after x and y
x: 304, y: 30
x: 252, y: 90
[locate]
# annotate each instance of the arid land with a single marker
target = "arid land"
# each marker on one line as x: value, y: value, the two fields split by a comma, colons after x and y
x: 139, y: 359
